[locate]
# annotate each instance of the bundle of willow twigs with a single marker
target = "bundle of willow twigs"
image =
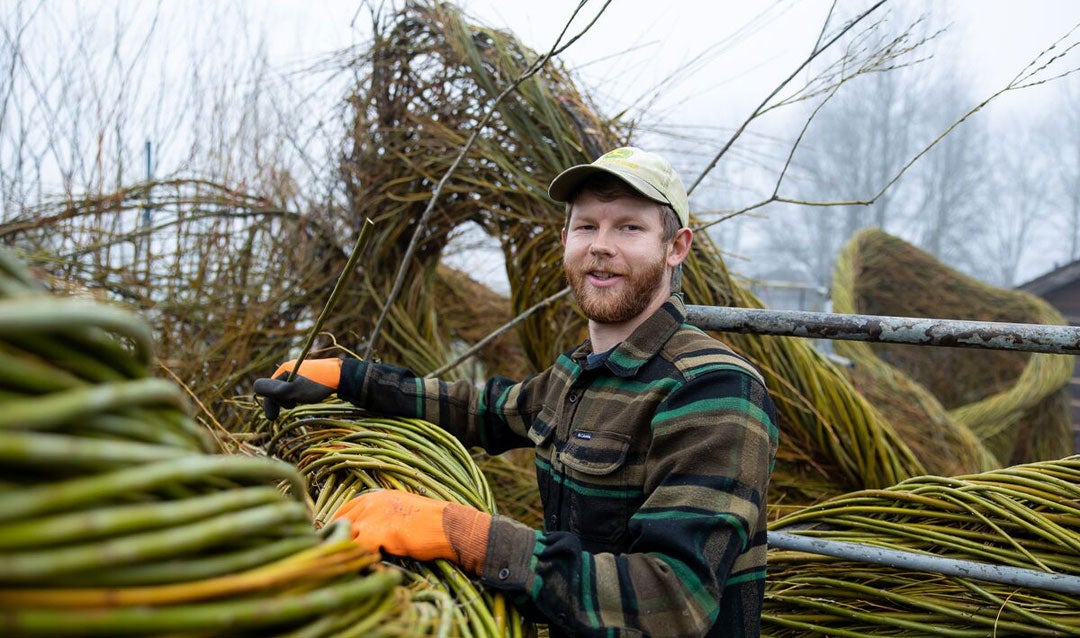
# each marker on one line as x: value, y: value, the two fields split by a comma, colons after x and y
x: 343, y: 450
x: 943, y: 445
x: 1025, y: 516
x: 512, y: 476
x: 1014, y: 403
x: 117, y: 519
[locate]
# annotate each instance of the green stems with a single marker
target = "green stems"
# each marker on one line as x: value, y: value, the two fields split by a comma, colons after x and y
x: 36, y: 314
x: 218, y: 617
x: 60, y: 408
x: 84, y: 491
x: 344, y: 451
x: 1026, y: 516
x: 47, y: 565
x: 114, y: 520
x: 123, y: 519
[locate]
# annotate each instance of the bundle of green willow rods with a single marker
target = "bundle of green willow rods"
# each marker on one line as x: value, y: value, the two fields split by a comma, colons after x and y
x: 343, y: 450
x: 117, y: 517
x: 1026, y: 516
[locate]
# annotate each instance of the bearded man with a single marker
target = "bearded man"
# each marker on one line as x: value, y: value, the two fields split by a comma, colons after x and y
x: 654, y: 441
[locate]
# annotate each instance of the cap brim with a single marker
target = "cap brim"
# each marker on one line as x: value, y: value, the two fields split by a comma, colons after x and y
x: 567, y: 182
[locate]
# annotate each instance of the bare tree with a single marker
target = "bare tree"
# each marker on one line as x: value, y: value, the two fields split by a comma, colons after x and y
x: 900, y: 150
x: 861, y: 136
x: 1018, y: 209
x: 1061, y: 135
x: 944, y: 214
x: 86, y: 88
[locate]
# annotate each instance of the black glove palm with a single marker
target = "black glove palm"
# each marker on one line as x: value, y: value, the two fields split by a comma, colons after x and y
x: 278, y: 393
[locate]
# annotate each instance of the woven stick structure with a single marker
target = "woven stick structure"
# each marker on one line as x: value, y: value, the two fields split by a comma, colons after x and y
x: 1014, y: 405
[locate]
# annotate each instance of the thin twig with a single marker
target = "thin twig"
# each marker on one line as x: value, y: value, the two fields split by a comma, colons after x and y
x: 757, y: 111
x: 506, y: 326
x: 361, y: 242
x: 1022, y: 80
x: 218, y: 427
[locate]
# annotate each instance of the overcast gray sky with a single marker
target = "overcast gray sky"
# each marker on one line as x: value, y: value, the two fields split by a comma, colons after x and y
x: 725, y: 56
x: 637, y: 44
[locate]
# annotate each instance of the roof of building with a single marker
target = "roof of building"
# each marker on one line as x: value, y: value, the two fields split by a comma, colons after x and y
x: 1053, y: 280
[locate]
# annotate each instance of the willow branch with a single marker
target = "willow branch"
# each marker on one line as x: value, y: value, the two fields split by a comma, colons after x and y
x: 414, y: 243
x: 500, y: 330
x: 1022, y: 80
x: 761, y: 107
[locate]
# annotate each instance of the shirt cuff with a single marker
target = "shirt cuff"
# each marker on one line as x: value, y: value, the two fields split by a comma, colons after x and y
x: 351, y: 385
x: 509, y: 555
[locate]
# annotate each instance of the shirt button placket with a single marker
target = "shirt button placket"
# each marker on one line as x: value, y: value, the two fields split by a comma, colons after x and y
x: 562, y: 434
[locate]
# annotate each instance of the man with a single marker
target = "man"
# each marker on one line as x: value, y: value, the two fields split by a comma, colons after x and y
x: 654, y: 442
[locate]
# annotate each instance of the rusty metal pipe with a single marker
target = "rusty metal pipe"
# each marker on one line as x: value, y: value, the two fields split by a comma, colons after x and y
x: 955, y: 333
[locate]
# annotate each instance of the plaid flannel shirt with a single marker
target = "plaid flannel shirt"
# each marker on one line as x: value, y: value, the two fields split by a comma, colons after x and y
x: 652, y: 465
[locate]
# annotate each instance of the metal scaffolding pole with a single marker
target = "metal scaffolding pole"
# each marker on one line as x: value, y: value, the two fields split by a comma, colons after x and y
x: 1052, y: 339
x: 955, y: 333
x: 1018, y: 576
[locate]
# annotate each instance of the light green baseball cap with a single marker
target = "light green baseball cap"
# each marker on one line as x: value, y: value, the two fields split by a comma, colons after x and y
x: 645, y: 172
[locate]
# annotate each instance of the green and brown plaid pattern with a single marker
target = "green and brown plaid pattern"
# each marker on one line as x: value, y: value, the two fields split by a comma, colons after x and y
x: 653, y: 468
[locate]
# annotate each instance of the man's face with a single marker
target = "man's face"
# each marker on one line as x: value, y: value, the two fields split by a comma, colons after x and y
x: 615, y: 260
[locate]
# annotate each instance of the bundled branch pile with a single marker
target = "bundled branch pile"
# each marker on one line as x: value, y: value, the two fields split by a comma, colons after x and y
x: 230, y: 279
x: 1025, y: 516
x: 981, y: 408
x: 116, y: 517
x: 217, y: 272
x: 342, y: 451
x: 513, y: 484
x: 429, y: 77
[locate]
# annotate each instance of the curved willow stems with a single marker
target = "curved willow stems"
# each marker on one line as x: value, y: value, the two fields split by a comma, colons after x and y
x: 1025, y: 516
x: 115, y: 516
x: 343, y: 450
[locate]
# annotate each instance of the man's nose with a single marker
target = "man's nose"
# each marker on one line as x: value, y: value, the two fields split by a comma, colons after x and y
x: 602, y: 244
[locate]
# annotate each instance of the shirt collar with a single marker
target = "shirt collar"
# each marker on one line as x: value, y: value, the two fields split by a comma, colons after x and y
x: 642, y: 344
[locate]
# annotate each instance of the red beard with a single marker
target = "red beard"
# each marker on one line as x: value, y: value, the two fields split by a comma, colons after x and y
x: 619, y: 305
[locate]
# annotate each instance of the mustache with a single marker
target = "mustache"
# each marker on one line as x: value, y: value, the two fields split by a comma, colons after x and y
x: 594, y: 264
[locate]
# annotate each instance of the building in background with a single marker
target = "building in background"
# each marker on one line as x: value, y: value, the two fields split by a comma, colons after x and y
x: 1061, y: 289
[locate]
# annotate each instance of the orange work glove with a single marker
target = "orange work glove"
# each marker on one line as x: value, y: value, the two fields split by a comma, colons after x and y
x: 405, y: 524
x: 315, y: 381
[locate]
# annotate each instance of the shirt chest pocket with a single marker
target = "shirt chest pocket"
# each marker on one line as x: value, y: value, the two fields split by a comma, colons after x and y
x: 598, y: 487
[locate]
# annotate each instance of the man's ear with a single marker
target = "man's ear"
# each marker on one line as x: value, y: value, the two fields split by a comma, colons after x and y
x: 680, y: 247
x: 562, y: 236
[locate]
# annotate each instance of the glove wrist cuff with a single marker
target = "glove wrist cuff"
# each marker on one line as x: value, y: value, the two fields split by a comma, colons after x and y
x: 467, y: 529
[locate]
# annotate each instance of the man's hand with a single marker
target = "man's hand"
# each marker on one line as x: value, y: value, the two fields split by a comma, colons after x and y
x: 315, y: 381
x: 405, y: 524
